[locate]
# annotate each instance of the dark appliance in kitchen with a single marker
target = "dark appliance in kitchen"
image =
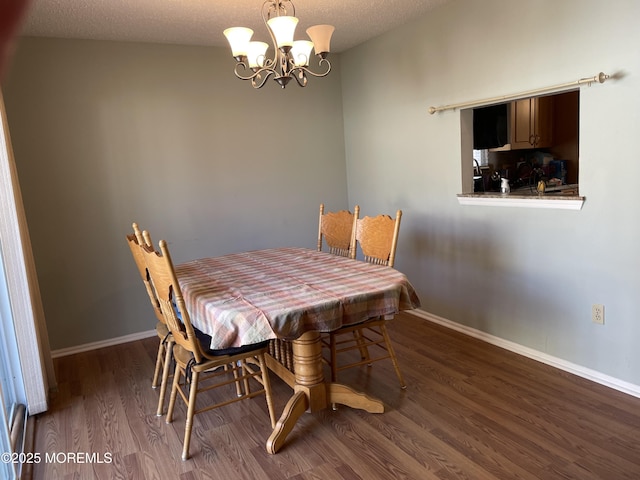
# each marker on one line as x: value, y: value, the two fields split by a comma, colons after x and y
x: 490, y: 127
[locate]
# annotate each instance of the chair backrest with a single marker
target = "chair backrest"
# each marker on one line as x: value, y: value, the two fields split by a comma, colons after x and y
x: 136, y: 240
x: 377, y: 237
x: 169, y: 295
x: 336, y: 229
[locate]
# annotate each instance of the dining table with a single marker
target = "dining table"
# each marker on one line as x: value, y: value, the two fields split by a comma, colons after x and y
x: 291, y: 296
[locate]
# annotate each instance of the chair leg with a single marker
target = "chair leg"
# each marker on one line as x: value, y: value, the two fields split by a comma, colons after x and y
x: 234, y: 368
x: 334, y: 362
x: 174, y: 394
x: 243, y: 370
x: 165, y: 376
x: 392, y: 354
x: 159, y: 359
x: 266, y: 383
x: 193, y: 392
x: 364, y: 351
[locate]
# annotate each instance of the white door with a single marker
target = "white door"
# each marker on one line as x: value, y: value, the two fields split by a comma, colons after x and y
x: 11, y: 386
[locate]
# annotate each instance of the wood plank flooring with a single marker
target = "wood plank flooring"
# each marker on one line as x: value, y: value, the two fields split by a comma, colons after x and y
x: 471, y: 411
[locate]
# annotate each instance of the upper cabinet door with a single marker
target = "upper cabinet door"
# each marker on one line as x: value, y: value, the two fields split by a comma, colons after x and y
x: 531, y: 123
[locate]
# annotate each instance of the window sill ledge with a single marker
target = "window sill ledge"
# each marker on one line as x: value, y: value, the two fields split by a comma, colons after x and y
x: 562, y: 202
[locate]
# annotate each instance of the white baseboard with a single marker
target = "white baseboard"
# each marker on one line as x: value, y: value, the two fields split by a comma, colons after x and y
x: 579, y: 370
x: 63, y: 352
x: 573, y: 368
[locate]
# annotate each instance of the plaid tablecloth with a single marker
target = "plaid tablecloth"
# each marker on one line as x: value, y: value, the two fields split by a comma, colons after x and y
x: 245, y: 298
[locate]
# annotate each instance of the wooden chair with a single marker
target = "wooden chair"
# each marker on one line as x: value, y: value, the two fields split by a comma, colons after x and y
x: 163, y: 358
x: 200, y: 368
x: 336, y: 229
x: 377, y: 237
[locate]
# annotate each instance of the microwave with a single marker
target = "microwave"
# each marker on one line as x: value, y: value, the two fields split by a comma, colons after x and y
x: 490, y: 126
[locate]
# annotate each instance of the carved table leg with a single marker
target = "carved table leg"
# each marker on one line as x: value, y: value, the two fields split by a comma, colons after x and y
x: 344, y: 395
x: 295, y: 407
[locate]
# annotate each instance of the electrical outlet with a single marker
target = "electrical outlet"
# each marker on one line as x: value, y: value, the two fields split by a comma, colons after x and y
x: 597, y: 314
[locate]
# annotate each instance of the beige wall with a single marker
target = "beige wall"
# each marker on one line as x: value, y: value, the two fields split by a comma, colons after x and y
x: 90, y: 119
x: 107, y: 133
x: 525, y: 275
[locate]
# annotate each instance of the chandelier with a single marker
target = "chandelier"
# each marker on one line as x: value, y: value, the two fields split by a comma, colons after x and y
x: 290, y: 58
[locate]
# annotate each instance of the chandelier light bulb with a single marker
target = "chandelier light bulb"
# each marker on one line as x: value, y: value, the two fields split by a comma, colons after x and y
x: 238, y: 38
x: 301, y: 52
x: 256, y: 54
x: 283, y: 29
x: 320, y: 35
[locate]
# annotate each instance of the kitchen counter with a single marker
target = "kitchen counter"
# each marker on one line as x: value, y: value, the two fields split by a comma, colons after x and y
x: 558, y: 190
x: 564, y: 198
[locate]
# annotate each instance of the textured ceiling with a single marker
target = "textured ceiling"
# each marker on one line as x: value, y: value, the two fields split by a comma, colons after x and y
x: 201, y: 22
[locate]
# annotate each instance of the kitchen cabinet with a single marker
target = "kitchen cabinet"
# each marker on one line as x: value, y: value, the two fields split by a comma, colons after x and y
x: 531, y: 123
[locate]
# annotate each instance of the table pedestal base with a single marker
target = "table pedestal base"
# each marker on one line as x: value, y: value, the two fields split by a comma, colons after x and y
x: 311, y: 393
x: 299, y: 403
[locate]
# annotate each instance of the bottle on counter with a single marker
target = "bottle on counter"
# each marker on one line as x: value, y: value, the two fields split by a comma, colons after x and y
x: 504, y: 185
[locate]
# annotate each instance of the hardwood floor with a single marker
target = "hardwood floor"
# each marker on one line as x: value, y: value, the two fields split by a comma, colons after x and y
x: 471, y: 411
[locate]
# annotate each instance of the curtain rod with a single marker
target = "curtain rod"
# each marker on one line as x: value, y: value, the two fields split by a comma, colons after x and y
x: 600, y: 78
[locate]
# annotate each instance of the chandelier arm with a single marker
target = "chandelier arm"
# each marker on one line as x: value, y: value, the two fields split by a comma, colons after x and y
x: 256, y: 73
x: 258, y: 81
x: 244, y: 68
x: 266, y: 15
x: 293, y: 7
x: 300, y: 76
x: 278, y: 8
x: 267, y: 7
x: 311, y: 72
